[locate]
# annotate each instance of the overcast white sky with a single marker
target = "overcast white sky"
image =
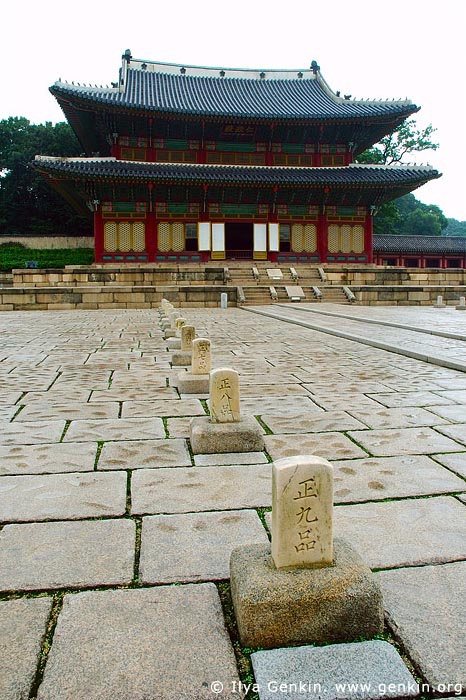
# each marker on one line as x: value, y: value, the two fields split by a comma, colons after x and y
x: 366, y: 48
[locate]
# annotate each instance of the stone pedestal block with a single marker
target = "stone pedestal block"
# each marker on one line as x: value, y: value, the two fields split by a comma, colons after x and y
x: 181, y: 359
x: 285, y: 607
x: 174, y: 344
x: 169, y: 332
x: 244, y: 435
x: 188, y: 383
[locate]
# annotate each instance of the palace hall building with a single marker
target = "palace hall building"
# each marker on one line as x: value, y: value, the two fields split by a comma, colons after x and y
x: 197, y: 164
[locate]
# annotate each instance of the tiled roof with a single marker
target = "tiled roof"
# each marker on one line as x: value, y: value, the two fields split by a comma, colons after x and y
x: 205, y: 93
x: 420, y: 244
x: 358, y: 175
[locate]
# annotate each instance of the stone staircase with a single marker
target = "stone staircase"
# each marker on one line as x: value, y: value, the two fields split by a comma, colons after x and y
x: 333, y: 295
x: 255, y: 282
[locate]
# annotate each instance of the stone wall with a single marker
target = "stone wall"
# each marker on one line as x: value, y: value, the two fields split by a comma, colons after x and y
x: 116, y: 276
x: 404, y: 295
x: 394, y: 276
x: 106, y: 297
x: 49, y: 242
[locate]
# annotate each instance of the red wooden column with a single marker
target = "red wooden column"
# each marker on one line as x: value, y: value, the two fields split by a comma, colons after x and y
x: 151, y: 236
x: 369, y: 237
x: 322, y: 238
x: 98, y: 237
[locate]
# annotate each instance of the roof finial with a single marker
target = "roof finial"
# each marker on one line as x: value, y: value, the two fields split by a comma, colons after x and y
x: 127, y: 56
x: 315, y: 67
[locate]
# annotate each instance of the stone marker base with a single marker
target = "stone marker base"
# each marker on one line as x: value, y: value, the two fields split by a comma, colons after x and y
x: 208, y: 438
x: 181, y: 359
x: 188, y: 383
x: 169, y: 333
x: 174, y: 344
x: 461, y: 307
x: 277, y: 608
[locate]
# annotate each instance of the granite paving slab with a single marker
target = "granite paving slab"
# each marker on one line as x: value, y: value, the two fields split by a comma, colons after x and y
x: 47, y: 458
x: 69, y: 411
x: 37, y: 556
x: 402, y: 441
x: 342, y: 402
x: 33, y: 433
x: 211, y: 460
x: 455, y: 413
x: 329, y: 445
x: 406, y: 532
x: 411, y: 398
x: 396, y: 417
x: 195, y: 546
x: 22, y: 627
x: 456, y: 432
x: 7, y: 413
x: 141, y: 454
x: 302, y: 423
x: 279, y: 406
x: 358, y: 671
x: 63, y: 397
x: 356, y: 387
x: 62, y: 496
x: 194, y: 489
x: 377, y: 478
x: 455, y: 461
x: 115, y: 429
x: 271, y: 390
x: 155, y: 390
x: 168, y: 643
x: 179, y: 427
x: 425, y: 607
x: 146, y: 409
x: 456, y: 395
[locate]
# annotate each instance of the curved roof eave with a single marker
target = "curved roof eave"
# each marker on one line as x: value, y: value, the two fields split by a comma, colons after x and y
x: 229, y: 175
x: 236, y: 98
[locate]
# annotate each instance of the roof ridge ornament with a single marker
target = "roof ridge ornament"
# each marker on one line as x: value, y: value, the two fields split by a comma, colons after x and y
x: 315, y: 67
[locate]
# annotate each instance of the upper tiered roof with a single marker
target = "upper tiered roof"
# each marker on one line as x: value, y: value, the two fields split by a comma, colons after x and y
x: 226, y: 92
x: 276, y: 105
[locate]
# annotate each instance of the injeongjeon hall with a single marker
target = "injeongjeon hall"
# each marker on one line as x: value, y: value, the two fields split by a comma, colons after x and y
x: 185, y: 163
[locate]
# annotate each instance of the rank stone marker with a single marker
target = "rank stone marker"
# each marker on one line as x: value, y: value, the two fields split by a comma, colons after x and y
x: 174, y: 343
x: 302, y: 512
x: 197, y: 381
x: 225, y: 430
x: 224, y: 396
x: 183, y: 357
x: 305, y: 588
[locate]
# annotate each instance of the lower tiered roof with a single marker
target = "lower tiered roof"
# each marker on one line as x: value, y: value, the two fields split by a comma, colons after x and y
x: 352, y: 184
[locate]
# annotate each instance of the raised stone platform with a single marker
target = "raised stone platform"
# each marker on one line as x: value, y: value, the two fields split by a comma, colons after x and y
x: 280, y: 607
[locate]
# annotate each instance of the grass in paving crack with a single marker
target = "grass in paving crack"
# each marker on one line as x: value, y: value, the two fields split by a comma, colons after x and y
x: 263, y: 425
x: 261, y: 512
x: 100, y: 446
x: 57, y: 605
x: 242, y: 654
x: 65, y: 430
x: 137, y: 552
x: 18, y: 411
x: 205, y: 406
x: 165, y: 426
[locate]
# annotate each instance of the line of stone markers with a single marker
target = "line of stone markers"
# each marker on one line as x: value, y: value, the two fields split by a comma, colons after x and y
x: 306, y: 587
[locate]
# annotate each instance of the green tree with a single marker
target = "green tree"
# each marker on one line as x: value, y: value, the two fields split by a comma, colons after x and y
x: 402, y: 141
x: 455, y: 228
x: 422, y: 223
x: 27, y: 204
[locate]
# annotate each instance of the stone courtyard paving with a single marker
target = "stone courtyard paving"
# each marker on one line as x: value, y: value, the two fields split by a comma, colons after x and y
x: 115, y: 539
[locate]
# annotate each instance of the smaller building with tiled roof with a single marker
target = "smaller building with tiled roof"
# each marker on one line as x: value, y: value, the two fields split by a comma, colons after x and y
x: 420, y: 251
